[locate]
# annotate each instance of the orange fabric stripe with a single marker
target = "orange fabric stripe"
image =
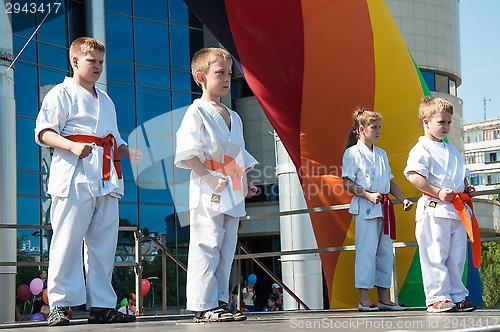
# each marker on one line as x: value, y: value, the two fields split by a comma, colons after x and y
x: 106, y: 142
x: 228, y: 167
x: 470, y: 224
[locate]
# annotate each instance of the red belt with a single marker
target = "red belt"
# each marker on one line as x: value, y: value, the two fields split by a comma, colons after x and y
x: 106, y: 143
x: 389, y: 216
x: 228, y: 167
x: 471, y: 226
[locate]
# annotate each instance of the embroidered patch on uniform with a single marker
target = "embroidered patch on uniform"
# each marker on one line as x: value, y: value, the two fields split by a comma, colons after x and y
x: 432, y: 204
x: 368, y: 211
x: 215, y: 198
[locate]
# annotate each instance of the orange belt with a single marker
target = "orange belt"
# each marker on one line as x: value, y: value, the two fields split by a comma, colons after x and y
x: 106, y: 143
x: 389, y: 217
x: 228, y: 167
x: 471, y: 226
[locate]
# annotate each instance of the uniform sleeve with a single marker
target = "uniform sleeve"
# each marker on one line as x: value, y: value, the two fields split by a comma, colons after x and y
x: 248, y: 159
x: 349, y: 165
x: 188, y: 138
x: 52, y: 115
x: 418, y: 162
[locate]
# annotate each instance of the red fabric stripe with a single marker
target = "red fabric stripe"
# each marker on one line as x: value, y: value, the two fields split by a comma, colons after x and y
x: 270, y: 43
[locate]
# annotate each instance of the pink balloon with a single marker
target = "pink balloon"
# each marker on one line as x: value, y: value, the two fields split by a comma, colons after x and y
x: 24, y: 293
x: 145, y: 286
x: 36, y: 286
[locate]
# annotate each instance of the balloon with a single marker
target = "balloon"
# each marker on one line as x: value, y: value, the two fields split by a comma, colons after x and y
x: 252, y: 279
x: 24, y: 293
x: 45, y: 296
x: 37, y: 317
x: 145, y: 286
x: 36, y: 286
x: 124, y: 302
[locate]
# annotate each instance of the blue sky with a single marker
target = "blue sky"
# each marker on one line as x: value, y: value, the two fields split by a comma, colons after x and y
x: 480, y: 57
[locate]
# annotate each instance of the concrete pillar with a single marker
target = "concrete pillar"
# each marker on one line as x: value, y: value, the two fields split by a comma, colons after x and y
x: 301, y: 273
x: 8, y: 237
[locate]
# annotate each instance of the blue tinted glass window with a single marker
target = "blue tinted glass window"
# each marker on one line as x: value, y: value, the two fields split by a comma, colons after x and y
x: 51, y: 56
x: 430, y: 80
x: 120, y: 72
x: 153, y: 76
x: 151, y: 43
x: 130, y: 191
x: 119, y: 42
x: 153, y: 217
x: 119, y: 6
x: 181, y: 99
x: 28, y: 211
x: 180, y: 47
x: 28, y: 155
x: 181, y: 81
x: 129, y: 212
x: 49, y: 78
x: 178, y: 12
x: 54, y: 28
x: 155, y: 196
x: 151, y: 9
x: 23, y: 23
x: 151, y: 102
x: 28, y: 184
x: 29, y: 53
x: 26, y: 89
x: 123, y: 97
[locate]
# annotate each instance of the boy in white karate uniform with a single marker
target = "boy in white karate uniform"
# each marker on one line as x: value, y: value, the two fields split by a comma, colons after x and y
x: 210, y: 143
x: 367, y: 175
x: 439, y: 171
x: 78, y: 120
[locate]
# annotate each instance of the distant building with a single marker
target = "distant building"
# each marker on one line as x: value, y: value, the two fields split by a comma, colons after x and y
x: 482, y: 153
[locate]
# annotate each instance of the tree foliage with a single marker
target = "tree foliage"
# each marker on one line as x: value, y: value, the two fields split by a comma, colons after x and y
x: 489, y: 271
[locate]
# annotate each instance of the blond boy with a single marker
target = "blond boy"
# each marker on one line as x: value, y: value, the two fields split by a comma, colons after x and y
x: 78, y: 120
x: 439, y: 171
x: 210, y: 143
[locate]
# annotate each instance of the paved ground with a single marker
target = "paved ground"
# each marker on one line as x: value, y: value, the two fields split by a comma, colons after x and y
x: 340, y: 320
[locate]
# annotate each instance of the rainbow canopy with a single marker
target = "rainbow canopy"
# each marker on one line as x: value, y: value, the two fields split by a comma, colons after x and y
x: 310, y: 64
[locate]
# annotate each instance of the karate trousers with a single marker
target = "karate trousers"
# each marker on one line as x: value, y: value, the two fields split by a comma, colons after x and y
x: 374, y: 254
x: 212, y: 244
x: 442, y: 245
x: 92, y: 221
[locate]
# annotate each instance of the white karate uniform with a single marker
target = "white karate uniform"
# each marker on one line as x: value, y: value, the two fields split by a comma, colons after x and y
x: 213, y: 227
x: 374, y: 255
x: 84, y: 207
x: 441, y: 237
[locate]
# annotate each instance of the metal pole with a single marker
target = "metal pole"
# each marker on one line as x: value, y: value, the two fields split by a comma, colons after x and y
x: 8, y: 189
x: 164, y: 283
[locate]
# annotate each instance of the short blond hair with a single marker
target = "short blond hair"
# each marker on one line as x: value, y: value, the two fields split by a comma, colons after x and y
x: 429, y: 107
x: 84, y: 45
x: 204, y: 58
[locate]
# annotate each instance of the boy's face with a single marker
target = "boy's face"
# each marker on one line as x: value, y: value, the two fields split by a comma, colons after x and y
x: 217, y: 79
x: 88, y: 67
x: 437, y: 127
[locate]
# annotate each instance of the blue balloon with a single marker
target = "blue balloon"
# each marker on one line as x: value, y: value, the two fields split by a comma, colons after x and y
x: 252, y: 279
x: 37, y: 317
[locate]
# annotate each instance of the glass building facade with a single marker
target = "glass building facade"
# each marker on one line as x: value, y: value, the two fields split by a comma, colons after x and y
x: 148, y: 50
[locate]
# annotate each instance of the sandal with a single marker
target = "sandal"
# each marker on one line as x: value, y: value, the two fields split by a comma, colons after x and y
x: 109, y: 316
x: 237, y: 315
x: 214, y: 315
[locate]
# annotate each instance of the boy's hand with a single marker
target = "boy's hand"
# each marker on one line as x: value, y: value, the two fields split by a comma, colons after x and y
x: 81, y: 150
x: 251, y: 191
x: 470, y: 190
x: 375, y: 198
x: 407, y: 204
x: 445, y: 194
x: 135, y: 156
x: 216, y: 183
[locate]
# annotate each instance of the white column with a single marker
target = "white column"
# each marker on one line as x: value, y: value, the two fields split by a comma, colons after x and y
x: 8, y: 237
x: 96, y: 28
x: 301, y: 273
